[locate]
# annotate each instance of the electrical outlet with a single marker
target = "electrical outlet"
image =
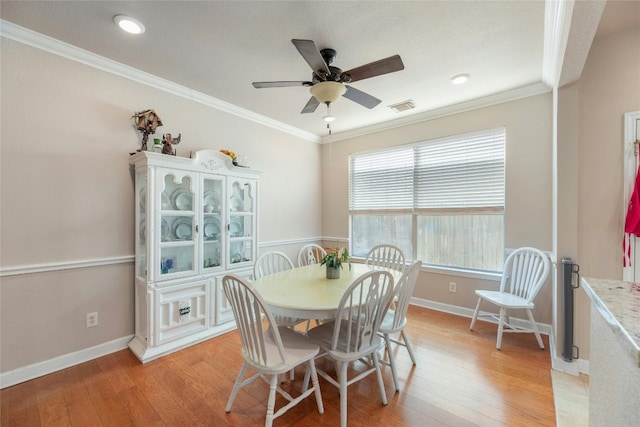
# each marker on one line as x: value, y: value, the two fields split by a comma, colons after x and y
x: 452, y: 286
x: 92, y: 319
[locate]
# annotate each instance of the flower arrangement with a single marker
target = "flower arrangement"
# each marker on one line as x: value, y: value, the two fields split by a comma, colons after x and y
x: 335, y: 258
x: 231, y: 154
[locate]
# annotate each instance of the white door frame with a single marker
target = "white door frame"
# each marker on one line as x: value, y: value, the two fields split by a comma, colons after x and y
x: 630, y: 147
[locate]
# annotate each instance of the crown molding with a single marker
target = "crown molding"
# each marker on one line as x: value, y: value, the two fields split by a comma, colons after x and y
x: 48, y: 44
x: 557, y: 20
x: 485, y: 101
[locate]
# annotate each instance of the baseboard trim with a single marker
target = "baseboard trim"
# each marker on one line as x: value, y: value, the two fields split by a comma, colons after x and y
x: 468, y: 312
x: 39, y: 369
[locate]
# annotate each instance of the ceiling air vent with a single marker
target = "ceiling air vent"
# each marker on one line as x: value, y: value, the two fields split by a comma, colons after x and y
x: 403, y: 106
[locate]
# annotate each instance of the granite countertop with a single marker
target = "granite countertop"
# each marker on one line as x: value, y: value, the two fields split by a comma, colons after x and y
x: 619, y: 304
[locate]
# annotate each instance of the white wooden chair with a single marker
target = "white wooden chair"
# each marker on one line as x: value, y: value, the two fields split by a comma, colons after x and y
x: 353, y: 336
x: 275, y: 262
x: 310, y: 254
x: 267, y: 349
x: 386, y: 256
x: 525, y: 271
x: 395, y: 319
x: 271, y: 262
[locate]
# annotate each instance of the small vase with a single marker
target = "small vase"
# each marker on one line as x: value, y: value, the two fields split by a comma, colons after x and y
x: 333, y: 272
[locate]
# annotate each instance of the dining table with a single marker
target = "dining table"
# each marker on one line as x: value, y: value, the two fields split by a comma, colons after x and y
x: 306, y: 293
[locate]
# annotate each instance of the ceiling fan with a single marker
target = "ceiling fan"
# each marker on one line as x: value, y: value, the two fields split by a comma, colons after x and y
x: 328, y: 83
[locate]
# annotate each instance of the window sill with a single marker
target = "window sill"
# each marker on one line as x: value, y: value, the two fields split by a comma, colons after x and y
x: 450, y: 271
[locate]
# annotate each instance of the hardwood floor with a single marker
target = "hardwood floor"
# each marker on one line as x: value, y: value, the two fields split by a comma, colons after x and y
x: 460, y: 380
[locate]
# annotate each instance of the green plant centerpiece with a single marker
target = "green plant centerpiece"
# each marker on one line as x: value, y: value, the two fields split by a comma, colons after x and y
x: 334, y: 260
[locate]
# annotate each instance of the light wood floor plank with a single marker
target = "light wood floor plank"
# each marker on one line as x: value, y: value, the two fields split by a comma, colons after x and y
x: 460, y: 380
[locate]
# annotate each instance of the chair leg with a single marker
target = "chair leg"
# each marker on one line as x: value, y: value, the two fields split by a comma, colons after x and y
x: 503, y: 313
x: 342, y: 380
x: 307, y: 375
x: 535, y: 329
x: 408, y: 345
x: 376, y: 364
x: 475, y: 314
x: 392, y: 361
x: 236, y: 387
x: 316, y: 384
x: 271, y: 402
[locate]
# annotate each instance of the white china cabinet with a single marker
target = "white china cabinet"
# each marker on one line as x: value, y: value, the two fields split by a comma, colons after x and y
x: 195, y: 221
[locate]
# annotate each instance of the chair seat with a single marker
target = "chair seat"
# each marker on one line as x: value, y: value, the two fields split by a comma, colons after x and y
x: 323, y: 336
x: 386, y: 327
x: 503, y: 299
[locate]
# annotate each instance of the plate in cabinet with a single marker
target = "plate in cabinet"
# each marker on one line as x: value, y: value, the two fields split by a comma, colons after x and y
x: 236, y: 227
x: 211, y: 228
x: 143, y: 229
x: 236, y: 204
x: 165, y: 203
x: 182, y: 228
x: 211, y: 201
x: 164, y: 230
x: 182, y: 199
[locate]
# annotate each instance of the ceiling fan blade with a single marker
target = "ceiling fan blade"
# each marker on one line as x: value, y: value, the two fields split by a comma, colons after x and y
x: 311, y: 106
x: 361, y: 98
x: 311, y: 54
x: 377, y: 68
x: 260, y: 85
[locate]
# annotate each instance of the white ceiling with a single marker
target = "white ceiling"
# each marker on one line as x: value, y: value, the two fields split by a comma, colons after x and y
x: 219, y: 48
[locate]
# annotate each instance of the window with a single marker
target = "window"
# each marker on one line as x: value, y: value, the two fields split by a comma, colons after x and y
x: 441, y: 201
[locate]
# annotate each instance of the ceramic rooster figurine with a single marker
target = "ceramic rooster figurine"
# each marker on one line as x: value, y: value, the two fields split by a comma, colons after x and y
x: 168, y: 143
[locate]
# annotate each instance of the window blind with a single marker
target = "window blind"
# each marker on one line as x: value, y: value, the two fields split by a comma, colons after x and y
x: 382, y: 180
x: 460, y: 172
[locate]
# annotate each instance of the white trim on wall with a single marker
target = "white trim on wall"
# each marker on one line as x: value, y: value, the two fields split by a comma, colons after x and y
x: 48, y: 44
x: 84, y: 263
x: 69, y: 265
x: 39, y: 369
x: 630, y: 169
x: 486, y: 101
x: 23, y: 35
x: 573, y: 368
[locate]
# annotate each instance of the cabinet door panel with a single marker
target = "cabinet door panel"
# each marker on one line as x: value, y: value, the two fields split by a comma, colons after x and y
x: 176, y: 230
x: 181, y: 310
x: 212, y: 231
x: 242, y: 222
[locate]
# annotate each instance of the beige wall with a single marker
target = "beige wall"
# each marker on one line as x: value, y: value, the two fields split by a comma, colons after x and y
x: 609, y: 87
x: 528, y: 185
x: 67, y: 194
x: 591, y: 129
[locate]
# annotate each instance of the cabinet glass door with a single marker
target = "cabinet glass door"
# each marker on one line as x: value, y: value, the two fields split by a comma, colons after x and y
x: 241, y: 222
x: 212, y: 222
x: 177, y: 225
x: 141, y: 225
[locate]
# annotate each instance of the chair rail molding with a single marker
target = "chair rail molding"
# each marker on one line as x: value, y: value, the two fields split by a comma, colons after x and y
x: 68, y: 265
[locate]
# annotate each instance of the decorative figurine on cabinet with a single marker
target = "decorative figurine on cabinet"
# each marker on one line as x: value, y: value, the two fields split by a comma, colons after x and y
x: 168, y: 143
x: 146, y: 122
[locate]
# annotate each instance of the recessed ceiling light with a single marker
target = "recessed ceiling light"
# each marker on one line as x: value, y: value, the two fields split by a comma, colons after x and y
x: 459, y: 79
x: 129, y: 24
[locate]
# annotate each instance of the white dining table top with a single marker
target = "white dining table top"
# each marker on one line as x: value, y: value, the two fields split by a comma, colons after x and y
x: 306, y: 293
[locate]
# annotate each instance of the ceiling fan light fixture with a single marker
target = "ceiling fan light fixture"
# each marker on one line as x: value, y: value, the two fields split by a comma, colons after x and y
x: 327, y: 91
x: 460, y: 79
x: 129, y: 24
